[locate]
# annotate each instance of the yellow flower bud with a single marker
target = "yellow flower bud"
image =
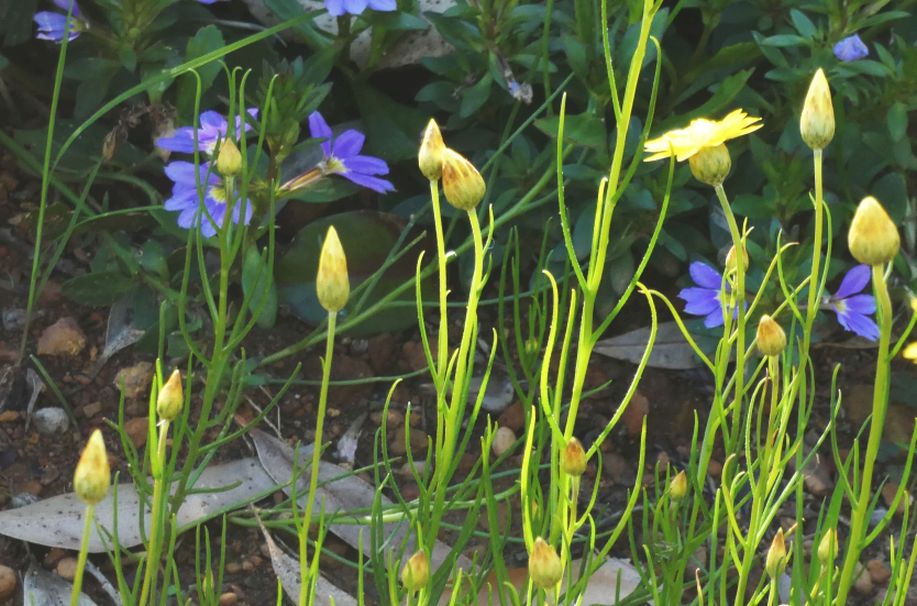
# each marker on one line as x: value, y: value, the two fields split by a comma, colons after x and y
x: 775, y: 563
x: 573, y: 458
x: 171, y: 397
x: 731, y: 259
x: 816, y: 125
x: 678, y: 487
x: 416, y: 572
x: 462, y: 183
x: 229, y: 159
x: 430, y: 156
x: 92, y: 475
x: 770, y: 338
x: 827, y: 547
x: 873, y: 238
x: 910, y: 352
x: 332, y: 283
x: 710, y: 165
x: 545, y: 567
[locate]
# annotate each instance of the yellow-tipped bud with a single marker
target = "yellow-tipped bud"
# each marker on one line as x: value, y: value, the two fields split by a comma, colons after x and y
x: 573, y: 458
x: 873, y: 238
x: 92, y: 475
x: 332, y: 283
x: 776, y: 556
x: 462, y: 183
x: 816, y: 125
x: 910, y: 352
x: 171, y: 397
x: 731, y: 259
x: 229, y: 160
x: 430, y: 156
x: 710, y: 165
x: 771, y: 338
x: 545, y: 567
x: 678, y: 487
x: 827, y: 547
x: 416, y: 572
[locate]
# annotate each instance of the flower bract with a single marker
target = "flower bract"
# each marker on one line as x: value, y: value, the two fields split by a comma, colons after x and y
x: 186, y: 201
x: 851, y: 48
x: 212, y: 128
x: 704, y: 299
x: 852, y: 308
x: 336, y: 8
x: 52, y: 26
x: 700, y: 134
x: 342, y: 156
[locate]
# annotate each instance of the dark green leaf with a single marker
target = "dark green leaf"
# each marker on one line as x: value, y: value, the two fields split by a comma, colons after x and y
x: 98, y: 288
x: 259, y: 288
x: 897, y: 121
x: 581, y: 129
x: 803, y: 24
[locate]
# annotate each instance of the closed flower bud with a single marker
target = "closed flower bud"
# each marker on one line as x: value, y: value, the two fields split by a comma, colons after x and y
x: 775, y: 563
x: 573, y: 458
x: 332, y: 283
x: 816, y: 125
x: 462, y: 183
x: 545, y: 567
x: 827, y: 547
x: 171, y: 398
x: 873, y: 238
x: 771, y: 338
x: 430, y: 156
x: 731, y: 259
x: 92, y: 475
x: 229, y: 160
x: 416, y: 572
x: 710, y: 165
x: 678, y: 487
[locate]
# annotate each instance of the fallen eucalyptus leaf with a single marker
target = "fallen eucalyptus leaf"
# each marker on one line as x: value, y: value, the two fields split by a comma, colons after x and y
x: 347, y: 443
x: 286, y: 567
x: 43, y: 588
x: 120, y: 332
x: 58, y: 521
x: 670, y: 349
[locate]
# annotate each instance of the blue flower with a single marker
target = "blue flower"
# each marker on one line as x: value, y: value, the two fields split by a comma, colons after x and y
x: 704, y: 299
x: 213, y: 127
x: 342, y: 156
x: 852, y: 309
x: 851, y: 48
x: 186, y: 201
x: 51, y: 25
x: 336, y: 8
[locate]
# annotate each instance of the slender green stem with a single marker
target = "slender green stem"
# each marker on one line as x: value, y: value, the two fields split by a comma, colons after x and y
x: 157, y: 530
x: 860, y: 515
x: 81, y: 559
x: 316, y: 454
x: 441, y: 364
x: 815, y: 282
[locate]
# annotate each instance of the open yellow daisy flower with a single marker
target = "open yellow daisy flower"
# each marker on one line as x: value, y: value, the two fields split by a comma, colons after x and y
x: 700, y: 134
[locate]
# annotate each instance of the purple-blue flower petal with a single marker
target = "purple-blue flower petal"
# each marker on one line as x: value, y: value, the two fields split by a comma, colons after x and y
x: 383, y: 5
x: 368, y: 165
x: 374, y: 183
x: 859, y: 324
x: 64, y: 5
x: 354, y: 7
x: 851, y: 48
x: 861, y: 304
x: 704, y: 275
x: 335, y: 8
x: 854, y: 281
x: 347, y: 144
x: 714, y: 319
x: 699, y: 301
x: 182, y: 141
x: 319, y: 129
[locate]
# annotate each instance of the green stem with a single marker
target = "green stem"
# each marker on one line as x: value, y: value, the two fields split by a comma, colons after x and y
x: 815, y: 283
x: 81, y: 560
x: 156, y: 527
x: 860, y: 514
x: 441, y: 364
x: 316, y: 453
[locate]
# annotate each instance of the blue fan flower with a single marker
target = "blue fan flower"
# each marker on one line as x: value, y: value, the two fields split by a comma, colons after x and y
x: 851, y: 48
x: 52, y: 26
x: 186, y: 201
x: 212, y: 129
x: 336, y: 8
x: 853, y: 309
x: 342, y: 156
x: 704, y: 299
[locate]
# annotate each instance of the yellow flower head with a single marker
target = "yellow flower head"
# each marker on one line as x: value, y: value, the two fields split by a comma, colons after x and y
x: 545, y: 567
x: 700, y: 134
x: 910, y: 352
x: 416, y: 572
x: 92, y: 475
x: 332, y: 281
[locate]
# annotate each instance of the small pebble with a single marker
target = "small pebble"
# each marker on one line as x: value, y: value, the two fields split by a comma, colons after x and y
x: 50, y: 421
x: 233, y: 568
x: 13, y: 318
x: 8, y: 582
x: 66, y: 568
x: 230, y: 598
x: 92, y: 409
x: 137, y: 430
x: 63, y: 338
x: 879, y: 571
x: 863, y: 582
x: 504, y: 438
x: 22, y: 499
